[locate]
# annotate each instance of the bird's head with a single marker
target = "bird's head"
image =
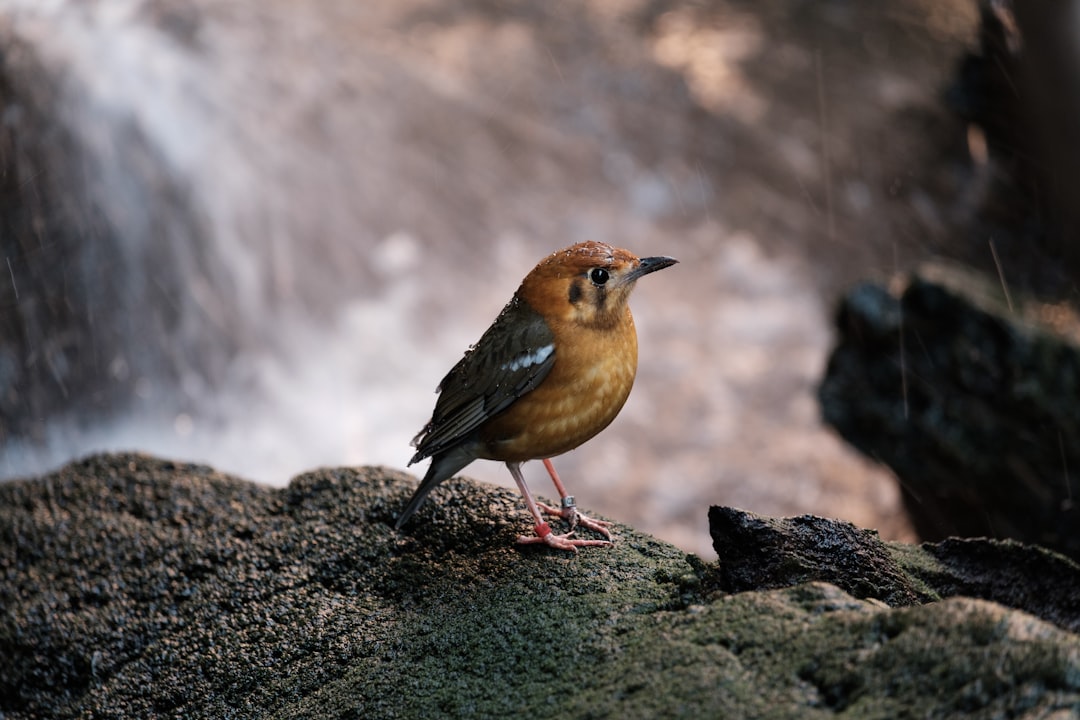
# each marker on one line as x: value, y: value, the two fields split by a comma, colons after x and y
x: 588, y: 283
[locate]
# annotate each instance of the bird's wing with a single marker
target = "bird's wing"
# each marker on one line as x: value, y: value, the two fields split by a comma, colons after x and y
x: 513, y: 357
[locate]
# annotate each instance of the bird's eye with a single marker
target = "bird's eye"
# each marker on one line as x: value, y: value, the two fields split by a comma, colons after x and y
x: 599, y: 276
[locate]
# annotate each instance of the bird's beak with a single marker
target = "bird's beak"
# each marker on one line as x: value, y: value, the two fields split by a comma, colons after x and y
x: 647, y: 265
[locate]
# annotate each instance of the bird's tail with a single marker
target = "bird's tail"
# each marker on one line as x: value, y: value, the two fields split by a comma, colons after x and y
x: 442, y: 467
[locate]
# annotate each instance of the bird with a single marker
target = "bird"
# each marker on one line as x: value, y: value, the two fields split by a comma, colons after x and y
x: 552, y: 371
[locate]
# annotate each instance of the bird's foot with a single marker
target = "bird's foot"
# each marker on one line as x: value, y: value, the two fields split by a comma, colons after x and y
x: 562, y: 542
x: 570, y: 514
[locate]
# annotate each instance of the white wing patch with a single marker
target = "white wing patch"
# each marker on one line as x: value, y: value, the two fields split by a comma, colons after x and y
x: 534, y: 358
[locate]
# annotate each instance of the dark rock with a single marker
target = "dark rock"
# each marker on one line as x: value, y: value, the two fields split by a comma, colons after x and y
x: 1027, y: 577
x: 1017, y: 86
x: 759, y: 553
x: 137, y: 587
x: 969, y: 402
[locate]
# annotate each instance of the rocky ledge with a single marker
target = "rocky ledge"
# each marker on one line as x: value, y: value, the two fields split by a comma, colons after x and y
x: 137, y: 587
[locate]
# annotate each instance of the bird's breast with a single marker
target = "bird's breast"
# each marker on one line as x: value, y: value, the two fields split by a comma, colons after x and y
x: 587, y: 387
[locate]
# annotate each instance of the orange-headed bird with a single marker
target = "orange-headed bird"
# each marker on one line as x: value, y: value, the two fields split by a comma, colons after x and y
x: 552, y: 371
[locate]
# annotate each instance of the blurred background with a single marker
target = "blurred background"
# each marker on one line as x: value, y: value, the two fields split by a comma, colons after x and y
x: 257, y: 233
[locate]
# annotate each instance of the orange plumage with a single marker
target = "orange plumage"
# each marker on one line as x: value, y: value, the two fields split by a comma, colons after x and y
x: 552, y: 371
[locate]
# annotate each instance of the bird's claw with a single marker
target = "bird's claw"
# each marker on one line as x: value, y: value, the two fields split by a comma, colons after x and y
x: 570, y: 514
x: 560, y: 542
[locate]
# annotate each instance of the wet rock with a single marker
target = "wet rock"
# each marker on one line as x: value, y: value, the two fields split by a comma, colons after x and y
x: 759, y: 553
x: 971, y: 400
x: 1028, y: 577
x: 134, y: 587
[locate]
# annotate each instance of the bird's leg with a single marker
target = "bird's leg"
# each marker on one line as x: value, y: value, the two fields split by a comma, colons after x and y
x: 542, y: 529
x: 568, y: 510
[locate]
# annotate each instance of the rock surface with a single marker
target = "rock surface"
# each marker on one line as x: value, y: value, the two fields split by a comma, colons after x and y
x: 969, y: 401
x: 134, y: 586
x: 764, y: 553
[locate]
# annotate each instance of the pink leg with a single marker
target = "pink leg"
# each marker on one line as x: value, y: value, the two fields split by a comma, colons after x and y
x: 568, y: 510
x: 555, y: 478
x: 542, y: 529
